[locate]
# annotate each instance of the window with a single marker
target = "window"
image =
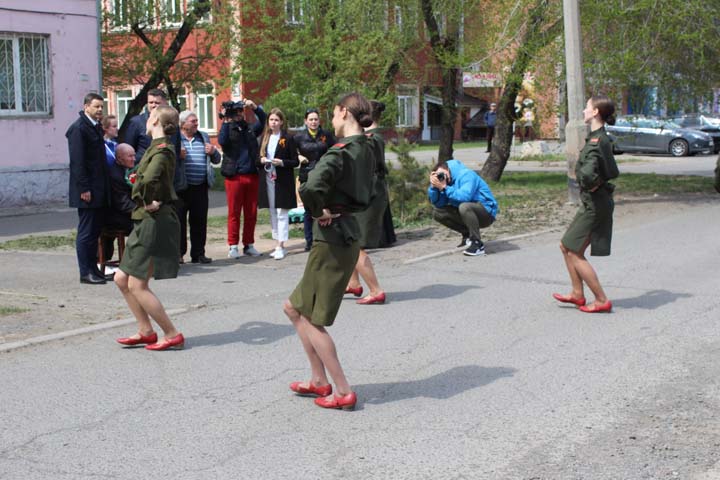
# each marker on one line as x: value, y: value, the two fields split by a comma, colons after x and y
x: 24, y: 75
x: 205, y: 108
x: 123, y: 99
x: 294, y: 11
x: 407, y: 102
x: 172, y: 11
x: 182, y: 100
x: 106, y: 111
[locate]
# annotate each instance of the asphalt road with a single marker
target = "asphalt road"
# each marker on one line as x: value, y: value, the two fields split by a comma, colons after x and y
x: 471, y: 371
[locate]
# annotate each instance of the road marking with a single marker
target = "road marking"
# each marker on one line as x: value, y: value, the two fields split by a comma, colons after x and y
x: 28, y: 342
x: 492, y: 242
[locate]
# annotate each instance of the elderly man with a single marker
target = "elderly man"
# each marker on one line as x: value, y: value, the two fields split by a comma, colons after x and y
x: 89, y: 189
x: 121, y: 203
x: 198, y: 154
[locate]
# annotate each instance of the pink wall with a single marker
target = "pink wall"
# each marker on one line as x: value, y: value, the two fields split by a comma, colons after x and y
x: 39, y: 143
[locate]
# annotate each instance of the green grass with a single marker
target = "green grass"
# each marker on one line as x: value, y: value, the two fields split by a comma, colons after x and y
x: 263, y: 218
x: 295, y: 232
x: 10, y: 310
x: 41, y: 242
x: 456, y: 145
x: 543, y: 158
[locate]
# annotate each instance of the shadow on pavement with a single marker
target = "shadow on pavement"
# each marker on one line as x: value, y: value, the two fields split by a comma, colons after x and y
x: 436, y: 291
x: 650, y: 300
x: 250, y: 333
x: 441, y: 386
x: 498, y: 246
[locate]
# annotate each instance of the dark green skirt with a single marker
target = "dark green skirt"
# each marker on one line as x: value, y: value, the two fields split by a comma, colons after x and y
x: 594, y: 219
x: 371, y: 220
x: 320, y: 292
x: 153, y: 241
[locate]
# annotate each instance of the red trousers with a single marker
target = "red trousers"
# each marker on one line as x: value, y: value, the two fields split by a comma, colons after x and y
x: 242, y: 197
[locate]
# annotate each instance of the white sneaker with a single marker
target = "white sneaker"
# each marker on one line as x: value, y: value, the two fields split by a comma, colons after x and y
x: 234, y: 253
x: 279, y: 253
x: 250, y: 250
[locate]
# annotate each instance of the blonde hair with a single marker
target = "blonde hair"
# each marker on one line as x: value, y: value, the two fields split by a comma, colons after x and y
x: 267, y: 132
x: 168, y: 118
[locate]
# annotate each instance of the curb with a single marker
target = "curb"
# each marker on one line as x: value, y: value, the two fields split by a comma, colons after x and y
x: 7, y: 347
x: 492, y: 242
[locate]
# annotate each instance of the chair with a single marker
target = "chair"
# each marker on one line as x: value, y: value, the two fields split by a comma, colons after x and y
x: 110, y: 234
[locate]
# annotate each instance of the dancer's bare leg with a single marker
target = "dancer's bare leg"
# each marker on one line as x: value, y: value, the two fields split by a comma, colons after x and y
x: 587, y: 274
x: 577, y: 284
x: 140, y: 289
x: 302, y: 325
x: 365, y: 268
x: 141, y: 316
x: 325, y: 348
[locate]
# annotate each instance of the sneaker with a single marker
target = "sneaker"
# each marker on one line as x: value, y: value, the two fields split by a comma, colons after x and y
x: 250, y: 250
x: 476, y: 248
x: 465, y: 242
x: 279, y: 253
x: 234, y: 253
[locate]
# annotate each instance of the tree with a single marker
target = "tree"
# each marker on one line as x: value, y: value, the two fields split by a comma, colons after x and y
x: 150, y: 52
x: 543, y: 25
x: 322, y: 49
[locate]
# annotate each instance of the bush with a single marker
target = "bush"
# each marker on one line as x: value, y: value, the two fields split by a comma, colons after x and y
x: 408, y: 186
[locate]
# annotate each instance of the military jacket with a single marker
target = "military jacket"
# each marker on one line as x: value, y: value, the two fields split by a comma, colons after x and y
x: 596, y: 165
x: 154, y: 180
x: 342, y: 181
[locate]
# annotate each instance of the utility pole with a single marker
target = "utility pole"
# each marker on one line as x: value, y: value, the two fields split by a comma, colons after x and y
x: 575, y: 129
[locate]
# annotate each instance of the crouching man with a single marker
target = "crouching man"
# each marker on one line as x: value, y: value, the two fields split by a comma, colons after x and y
x: 463, y: 202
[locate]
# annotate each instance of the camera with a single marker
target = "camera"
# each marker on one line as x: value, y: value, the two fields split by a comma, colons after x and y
x: 441, y: 176
x: 232, y: 109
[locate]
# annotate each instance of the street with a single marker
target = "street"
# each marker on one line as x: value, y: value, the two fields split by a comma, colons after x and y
x: 471, y: 371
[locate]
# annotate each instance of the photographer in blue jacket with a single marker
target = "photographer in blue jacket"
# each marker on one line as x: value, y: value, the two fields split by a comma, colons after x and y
x: 463, y: 202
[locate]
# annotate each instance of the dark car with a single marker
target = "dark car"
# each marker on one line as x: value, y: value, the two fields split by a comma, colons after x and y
x: 650, y: 135
x: 703, y: 123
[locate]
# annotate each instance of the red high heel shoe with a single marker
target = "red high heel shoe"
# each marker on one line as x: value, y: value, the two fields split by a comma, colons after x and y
x: 311, y: 389
x: 346, y: 402
x: 568, y: 299
x: 143, y: 340
x: 355, y: 291
x: 595, y: 308
x: 178, y: 341
x: 370, y: 299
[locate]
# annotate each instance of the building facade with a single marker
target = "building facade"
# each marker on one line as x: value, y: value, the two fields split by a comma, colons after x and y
x: 49, y: 60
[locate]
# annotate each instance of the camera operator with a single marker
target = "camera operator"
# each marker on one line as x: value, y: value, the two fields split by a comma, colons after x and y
x: 240, y: 154
x: 463, y: 202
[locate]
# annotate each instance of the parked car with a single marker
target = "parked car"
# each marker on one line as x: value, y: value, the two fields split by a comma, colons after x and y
x: 640, y: 134
x: 703, y: 123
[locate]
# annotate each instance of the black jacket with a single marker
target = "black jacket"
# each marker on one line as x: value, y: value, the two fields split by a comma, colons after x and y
x: 241, y: 151
x: 120, y: 198
x: 88, y: 164
x: 285, y: 195
x: 312, y: 148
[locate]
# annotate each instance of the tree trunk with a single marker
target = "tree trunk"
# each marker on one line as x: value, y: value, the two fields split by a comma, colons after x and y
x: 533, y: 40
x: 451, y: 78
x: 166, y: 61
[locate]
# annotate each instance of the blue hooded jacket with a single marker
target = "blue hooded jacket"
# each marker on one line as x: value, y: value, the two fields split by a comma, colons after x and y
x: 465, y: 186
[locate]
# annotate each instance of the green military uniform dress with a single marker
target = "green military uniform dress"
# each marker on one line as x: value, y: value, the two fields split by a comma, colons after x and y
x: 155, y: 238
x: 342, y: 182
x: 594, y: 219
x: 371, y: 220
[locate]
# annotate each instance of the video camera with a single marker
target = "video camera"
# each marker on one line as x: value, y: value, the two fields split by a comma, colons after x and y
x: 231, y: 109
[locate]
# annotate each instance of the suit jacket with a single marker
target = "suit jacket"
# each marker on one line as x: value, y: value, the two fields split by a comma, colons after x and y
x: 88, y: 164
x: 285, y: 196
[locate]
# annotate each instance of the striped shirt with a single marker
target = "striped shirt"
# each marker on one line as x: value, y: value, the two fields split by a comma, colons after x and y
x: 195, y: 161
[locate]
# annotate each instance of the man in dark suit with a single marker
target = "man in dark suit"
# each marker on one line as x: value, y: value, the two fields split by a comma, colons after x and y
x: 89, y: 184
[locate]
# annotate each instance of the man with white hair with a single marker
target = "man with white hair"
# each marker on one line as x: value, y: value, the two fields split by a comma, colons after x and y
x: 199, y: 155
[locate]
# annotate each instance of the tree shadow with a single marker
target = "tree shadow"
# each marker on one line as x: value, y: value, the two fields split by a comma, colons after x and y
x: 250, y: 333
x: 436, y: 291
x: 650, y: 300
x: 440, y: 386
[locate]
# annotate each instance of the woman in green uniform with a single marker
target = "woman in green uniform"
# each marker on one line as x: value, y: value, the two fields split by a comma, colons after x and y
x: 371, y: 220
x: 340, y: 184
x: 592, y: 224
x: 152, y: 247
